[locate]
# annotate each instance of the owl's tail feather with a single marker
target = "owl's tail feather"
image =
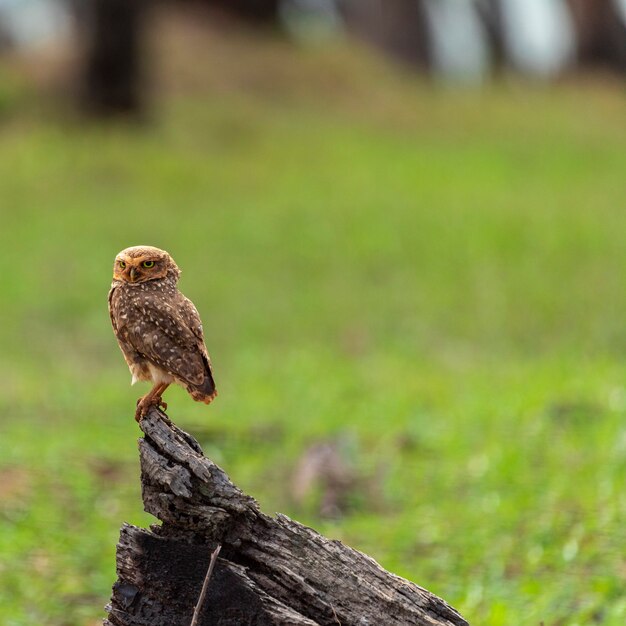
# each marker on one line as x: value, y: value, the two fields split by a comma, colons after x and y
x: 205, y: 392
x: 210, y: 398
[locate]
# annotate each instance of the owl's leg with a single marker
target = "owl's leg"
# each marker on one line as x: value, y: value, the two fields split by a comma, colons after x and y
x: 152, y: 398
x: 159, y: 400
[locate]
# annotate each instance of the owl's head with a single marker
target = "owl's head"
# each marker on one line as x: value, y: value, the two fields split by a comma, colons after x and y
x: 139, y: 264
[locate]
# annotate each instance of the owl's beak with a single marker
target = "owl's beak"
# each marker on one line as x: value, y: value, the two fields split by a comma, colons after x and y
x: 132, y: 273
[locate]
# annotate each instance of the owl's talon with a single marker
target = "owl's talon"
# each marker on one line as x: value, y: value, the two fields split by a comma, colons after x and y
x: 143, y: 406
x: 159, y: 404
x: 145, y: 403
x: 140, y: 413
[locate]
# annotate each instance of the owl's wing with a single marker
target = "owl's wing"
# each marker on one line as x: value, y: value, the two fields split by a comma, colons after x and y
x: 193, y: 321
x: 114, y: 314
x: 161, y: 333
x: 192, y: 318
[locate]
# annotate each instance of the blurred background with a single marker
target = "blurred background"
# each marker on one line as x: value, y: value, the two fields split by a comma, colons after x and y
x: 403, y: 225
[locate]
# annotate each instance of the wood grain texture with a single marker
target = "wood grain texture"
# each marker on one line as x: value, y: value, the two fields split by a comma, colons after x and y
x: 270, y: 570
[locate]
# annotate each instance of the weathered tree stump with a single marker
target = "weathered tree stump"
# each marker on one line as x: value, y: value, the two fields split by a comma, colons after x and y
x: 270, y: 570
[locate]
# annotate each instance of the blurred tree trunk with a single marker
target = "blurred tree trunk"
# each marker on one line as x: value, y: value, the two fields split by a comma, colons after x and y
x: 399, y: 27
x: 255, y: 11
x: 112, y: 81
x: 601, y: 31
x: 490, y: 12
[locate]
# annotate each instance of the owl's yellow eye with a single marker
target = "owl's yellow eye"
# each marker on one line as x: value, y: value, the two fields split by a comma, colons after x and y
x: 148, y: 263
x: 122, y: 265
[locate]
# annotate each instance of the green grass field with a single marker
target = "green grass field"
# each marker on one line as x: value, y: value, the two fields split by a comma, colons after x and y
x: 433, y: 279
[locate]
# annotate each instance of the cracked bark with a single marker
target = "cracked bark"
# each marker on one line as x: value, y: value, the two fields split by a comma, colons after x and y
x: 271, y: 570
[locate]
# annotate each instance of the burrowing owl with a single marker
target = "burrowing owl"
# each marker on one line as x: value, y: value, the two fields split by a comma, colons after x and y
x: 158, y: 329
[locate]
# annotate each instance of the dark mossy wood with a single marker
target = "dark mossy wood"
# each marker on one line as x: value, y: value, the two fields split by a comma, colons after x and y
x: 271, y: 570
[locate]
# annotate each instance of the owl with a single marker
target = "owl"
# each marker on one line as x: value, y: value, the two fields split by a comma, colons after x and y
x: 158, y: 329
